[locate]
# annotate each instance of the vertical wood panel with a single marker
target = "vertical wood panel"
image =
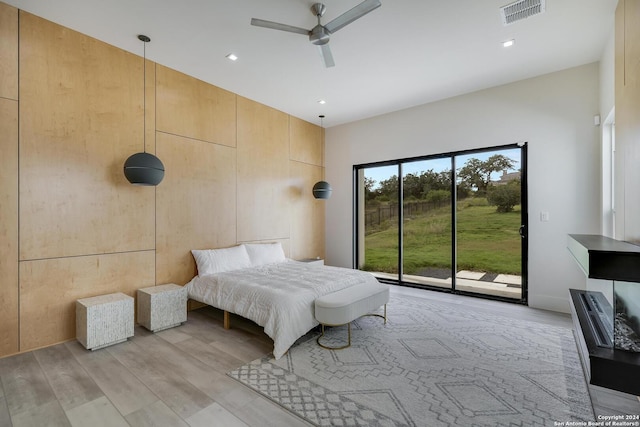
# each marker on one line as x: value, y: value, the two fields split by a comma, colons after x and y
x: 81, y: 116
x: 195, y: 109
x: 627, y: 99
x: 264, y: 191
x: 49, y: 289
x: 307, y: 142
x: 632, y: 42
x: 8, y: 51
x: 628, y: 120
x: 307, y: 213
x: 196, y: 205
x: 8, y: 227
x: 619, y: 48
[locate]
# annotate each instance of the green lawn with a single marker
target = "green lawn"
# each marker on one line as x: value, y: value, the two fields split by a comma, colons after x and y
x: 487, y: 241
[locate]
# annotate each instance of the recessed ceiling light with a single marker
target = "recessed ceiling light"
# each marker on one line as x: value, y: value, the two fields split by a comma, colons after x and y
x: 508, y: 43
x: 232, y: 57
x: 322, y: 101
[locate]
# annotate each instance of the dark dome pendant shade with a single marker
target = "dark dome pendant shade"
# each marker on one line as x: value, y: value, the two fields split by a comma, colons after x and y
x: 144, y: 168
x: 322, y: 190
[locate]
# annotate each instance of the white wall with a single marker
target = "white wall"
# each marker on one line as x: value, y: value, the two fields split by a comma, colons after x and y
x: 553, y: 113
x: 607, y: 75
x: 607, y: 103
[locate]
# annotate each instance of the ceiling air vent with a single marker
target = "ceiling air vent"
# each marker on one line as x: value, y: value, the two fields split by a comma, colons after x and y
x: 520, y: 10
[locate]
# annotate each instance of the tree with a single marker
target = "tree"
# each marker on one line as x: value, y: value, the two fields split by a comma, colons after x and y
x: 389, y: 188
x: 471, y: 174
x: 431, y: 181
x: 505, y: 197
x: 412, y: 186
x: 476, y: 173
x: 369, y: 192
x: 438, y: 196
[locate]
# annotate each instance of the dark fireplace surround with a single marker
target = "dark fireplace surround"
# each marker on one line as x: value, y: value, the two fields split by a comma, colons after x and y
x: 601, y: 326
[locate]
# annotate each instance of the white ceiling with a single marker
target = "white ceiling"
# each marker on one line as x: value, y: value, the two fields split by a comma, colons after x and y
x: 405, y: 53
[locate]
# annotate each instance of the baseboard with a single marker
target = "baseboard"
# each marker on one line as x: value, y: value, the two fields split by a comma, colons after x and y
x: 547, y: 302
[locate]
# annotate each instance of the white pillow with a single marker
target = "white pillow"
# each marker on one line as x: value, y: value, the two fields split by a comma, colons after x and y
x: 265, y: 253
x: 212, y: 261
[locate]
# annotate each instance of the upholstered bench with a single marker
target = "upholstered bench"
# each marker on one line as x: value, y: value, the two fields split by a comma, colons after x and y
x: 346, y: 305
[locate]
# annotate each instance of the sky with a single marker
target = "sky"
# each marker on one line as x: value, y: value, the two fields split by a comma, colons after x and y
x: 438, y: 165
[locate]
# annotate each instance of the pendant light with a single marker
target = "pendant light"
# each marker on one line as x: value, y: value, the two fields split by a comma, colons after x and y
x: 144, y: 168
x: 322, y: 189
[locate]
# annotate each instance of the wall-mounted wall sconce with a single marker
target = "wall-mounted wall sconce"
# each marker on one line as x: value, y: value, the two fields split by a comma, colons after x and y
x: 144, y: 168
x: 322, y: 190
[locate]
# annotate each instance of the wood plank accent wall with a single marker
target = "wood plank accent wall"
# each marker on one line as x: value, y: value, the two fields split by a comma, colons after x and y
x: 263, y: 172
x: 8, y: 52
x: 195, y: 109
x: 196, y: 203
x: 8, y: 226
x: 50, y: 287
x: 81, y: 116
x: 73, y: 227
x: 627, y: 104
x: 9, y: 328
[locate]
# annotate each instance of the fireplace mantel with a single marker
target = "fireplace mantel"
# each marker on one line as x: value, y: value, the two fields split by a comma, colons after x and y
x: 601, y: 257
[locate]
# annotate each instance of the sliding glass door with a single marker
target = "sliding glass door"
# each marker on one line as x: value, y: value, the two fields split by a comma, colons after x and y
x: 378, y: 221
x: 426, y: 233
x: 489, y: 217
x: 455, y: 221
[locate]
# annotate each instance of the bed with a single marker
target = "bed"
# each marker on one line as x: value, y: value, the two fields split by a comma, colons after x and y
x: 257, y: 282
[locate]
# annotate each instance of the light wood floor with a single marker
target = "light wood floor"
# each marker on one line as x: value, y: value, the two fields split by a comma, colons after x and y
x: 177, y: 377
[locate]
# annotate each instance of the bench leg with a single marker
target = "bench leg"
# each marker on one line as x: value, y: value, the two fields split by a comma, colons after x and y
x: 379, y: 315
x: 348, y: 330
x: 336, y: 348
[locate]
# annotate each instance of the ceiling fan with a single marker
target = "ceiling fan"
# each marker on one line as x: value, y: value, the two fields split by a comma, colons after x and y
x: 320, y: 34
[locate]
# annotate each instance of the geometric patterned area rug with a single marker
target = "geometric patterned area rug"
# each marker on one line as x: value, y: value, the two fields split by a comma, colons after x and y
x: 432, y: 364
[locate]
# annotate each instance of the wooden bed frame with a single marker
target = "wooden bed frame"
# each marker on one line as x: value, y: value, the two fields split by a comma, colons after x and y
x: 227, y: 320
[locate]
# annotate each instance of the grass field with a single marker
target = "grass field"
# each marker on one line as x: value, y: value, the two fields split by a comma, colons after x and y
x: 488, y: 241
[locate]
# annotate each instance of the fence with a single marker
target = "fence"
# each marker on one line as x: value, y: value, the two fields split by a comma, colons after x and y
x: 382, y: 213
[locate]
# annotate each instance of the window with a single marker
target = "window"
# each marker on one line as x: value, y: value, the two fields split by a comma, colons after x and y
x: 454, y: 222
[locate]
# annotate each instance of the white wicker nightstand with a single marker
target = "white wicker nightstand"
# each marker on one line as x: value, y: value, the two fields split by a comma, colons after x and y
x: 104, y: 320
x: 162, y: 307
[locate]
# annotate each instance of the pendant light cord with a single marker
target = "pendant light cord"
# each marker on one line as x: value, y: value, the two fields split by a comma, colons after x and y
x: 144, y: 39
x: 144, y: 94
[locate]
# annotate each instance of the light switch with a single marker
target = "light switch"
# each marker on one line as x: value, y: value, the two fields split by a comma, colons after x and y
x: 544, y: 216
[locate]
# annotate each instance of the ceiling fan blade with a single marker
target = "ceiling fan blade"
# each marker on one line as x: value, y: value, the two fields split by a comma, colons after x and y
x: 351, y: 15
x: 278, y: 26
x: 325, y: 51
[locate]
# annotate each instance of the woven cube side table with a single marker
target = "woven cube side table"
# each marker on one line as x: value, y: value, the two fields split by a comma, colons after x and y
x: 104, y: 320
x: 162, y: 307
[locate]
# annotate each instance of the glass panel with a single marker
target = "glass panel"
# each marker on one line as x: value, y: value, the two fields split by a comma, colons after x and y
x: 378, y: 221
x: 488, y: 210
x: 426, y: 231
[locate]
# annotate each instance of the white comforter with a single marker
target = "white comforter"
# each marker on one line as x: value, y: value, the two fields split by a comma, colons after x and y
x: 279, y: 297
